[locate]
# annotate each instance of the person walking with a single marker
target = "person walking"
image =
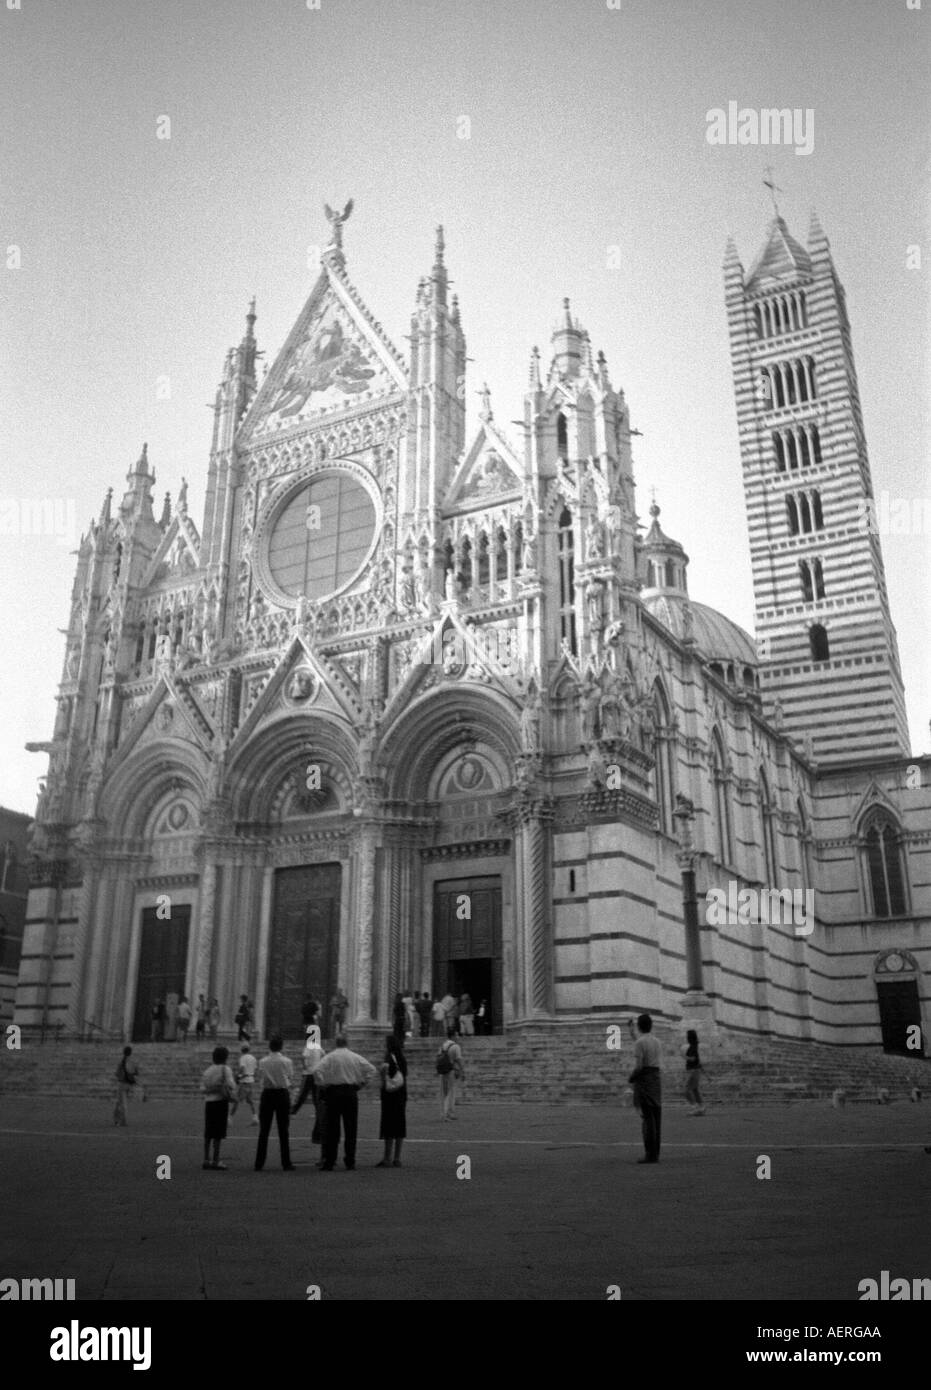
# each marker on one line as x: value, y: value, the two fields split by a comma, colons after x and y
x: 450, y: 1071
x: 438, y: 1019
x: 647, y: 1084
x: 450, y: 1015
x: 213, y: 1018
x: 311, y: 1058
x: 276, y: 1073
x: 466, y: 1016
x: 200, y: 1017
x: 393, y: 1129
x: 127, y: 1078
x: 243, y: 1018
x: 483, y: 1018
x: 219, y: 1089
x: 184, y: 1018
x: 424, y: 1007
x: 245, y: 1092
x: 693, y: 1069
x: 341, y: 1074
x: 408, y: 1002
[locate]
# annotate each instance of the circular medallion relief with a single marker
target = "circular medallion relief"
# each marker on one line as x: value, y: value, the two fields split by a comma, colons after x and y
x: 894, y: 962
x: 320, y: 535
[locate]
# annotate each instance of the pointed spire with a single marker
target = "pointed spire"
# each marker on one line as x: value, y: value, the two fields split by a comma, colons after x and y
x: 142, y: 464
x: 535, y: 382
x: 165, y: 518
x: 105, y: 509
x: 604, y: 379
x: 817, y: 239
x: 587, y: 361
x: 486, y: 412
x: 250, y: 321
x: 438, y: 276
x: 454, y: 311
x: 731, y: 257
x: 567, y: 323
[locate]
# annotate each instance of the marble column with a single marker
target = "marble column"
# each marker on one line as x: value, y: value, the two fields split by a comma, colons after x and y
x: 83, y: 945
x: 206, y: 913
x: 365, y: 924
x: 534, y: 900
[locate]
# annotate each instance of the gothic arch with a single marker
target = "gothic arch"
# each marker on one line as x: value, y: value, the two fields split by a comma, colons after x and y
x: 281, y: 749
x: 440, y: 721
x: 129, y: 799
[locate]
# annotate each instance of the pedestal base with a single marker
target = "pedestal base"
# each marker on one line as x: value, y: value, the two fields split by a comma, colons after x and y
x: 698, y: 1012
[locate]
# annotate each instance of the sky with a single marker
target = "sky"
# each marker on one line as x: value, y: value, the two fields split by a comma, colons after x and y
x: 562, y: 144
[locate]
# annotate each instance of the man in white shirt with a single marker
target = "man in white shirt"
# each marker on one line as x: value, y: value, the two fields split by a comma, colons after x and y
x: 341, y: 1075
x: 276, y: 1074
x: 245, y: 1094
x: 648, y: 1094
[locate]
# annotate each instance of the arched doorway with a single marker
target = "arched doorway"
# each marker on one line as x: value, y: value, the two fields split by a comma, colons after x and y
x: 896, y: 975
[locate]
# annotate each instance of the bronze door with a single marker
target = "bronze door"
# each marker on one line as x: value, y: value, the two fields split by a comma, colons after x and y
x: 304, y: 944
x: 162, y: 963
x: 467, y: 945
x: 899, y: 1008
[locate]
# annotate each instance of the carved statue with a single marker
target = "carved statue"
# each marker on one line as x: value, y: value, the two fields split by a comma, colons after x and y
x: 449, y: 586
x: 588, y: 706
x: 594, y: 539
x: 337, y: 221
x: 301, y: 685
x: 530, y: 717
x: 597, y: 767
x: 529, y: 554
x: 610, y: 707
x: 595, y: 598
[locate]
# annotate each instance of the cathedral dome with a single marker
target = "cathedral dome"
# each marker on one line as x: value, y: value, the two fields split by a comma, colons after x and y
x: 728, y: 649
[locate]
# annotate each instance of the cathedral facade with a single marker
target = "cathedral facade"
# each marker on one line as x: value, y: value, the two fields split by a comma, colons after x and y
x: 416, y: 710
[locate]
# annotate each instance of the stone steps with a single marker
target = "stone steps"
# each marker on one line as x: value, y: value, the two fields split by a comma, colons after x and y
x: 558, y: 1066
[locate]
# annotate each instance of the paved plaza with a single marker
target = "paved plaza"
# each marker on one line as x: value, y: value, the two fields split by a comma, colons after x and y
x: 556, y: 1206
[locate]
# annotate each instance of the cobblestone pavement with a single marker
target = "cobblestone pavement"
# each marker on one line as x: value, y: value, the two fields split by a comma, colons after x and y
x: 556, y: 1206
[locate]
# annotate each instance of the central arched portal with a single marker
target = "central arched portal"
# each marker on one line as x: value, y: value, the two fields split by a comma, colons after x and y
x: 467, y: 945
x: 304, y: 946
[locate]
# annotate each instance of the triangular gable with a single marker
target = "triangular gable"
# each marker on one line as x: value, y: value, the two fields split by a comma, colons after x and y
x: 490, y: 470
x: 782, y: 258
x: 874, y: 798
x: 148, y: 725
x: 437, y: 659
x: 335, y: 357
x: 303, y: 681
x: 181, y: 534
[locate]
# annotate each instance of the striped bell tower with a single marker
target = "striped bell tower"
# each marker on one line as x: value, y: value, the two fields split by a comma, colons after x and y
x: 827, y: 644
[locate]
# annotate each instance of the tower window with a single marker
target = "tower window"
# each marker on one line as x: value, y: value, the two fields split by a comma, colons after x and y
x: 566, y: 553
x: 884, y: 867
x: 804, y: 512
x: 816, y: 509
x: 816, y: 443
x: 818, y: 641
x: 562, y: 436
x: 792, y: 515
x: 780, y: 451
x: 817, y: 578
x: 804, y: 572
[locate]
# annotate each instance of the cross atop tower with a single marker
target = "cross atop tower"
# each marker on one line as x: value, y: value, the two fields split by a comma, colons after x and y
x: 769, y: 182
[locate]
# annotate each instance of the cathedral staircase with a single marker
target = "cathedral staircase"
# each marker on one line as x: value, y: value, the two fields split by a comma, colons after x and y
x: 567, y: 1065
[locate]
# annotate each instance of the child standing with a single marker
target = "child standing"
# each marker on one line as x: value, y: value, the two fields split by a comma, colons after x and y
x: 218, y: 1089
x: 248, y: 1065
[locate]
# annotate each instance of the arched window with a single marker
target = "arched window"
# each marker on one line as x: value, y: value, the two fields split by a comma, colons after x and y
x: 816, y: 509
x: 818, y: 641
x: 664, y: 782
x: 501, y: 554
x: 884, y: 867
x: 566, y: 554
x: 804, y: 512
x: 518, y: 547
x: 792, y: 515
x: 722, y: 809
x: 768, y: 826
x: 465, y: 565
x: 816, y: 443
x: 804, y: 573
x: 758, y: 320
x: 449, y: 560
x: 483, y: 566
x: 562, y: 436
x: 780, y: 452
x: 670, y: 575
x: 793, y: 450
x: 817, y: 578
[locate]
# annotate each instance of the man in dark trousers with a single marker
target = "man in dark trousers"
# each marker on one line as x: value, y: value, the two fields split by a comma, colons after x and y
x: 424, y: 1008
x: 341, y: 1074
x: 648, y: 1094
x: 275, y: 1076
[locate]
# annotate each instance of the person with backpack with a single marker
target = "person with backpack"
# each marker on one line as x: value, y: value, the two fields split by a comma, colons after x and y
x: 693, y: 1068
x: 243, y: 1018
x: 200, y: 1017
x: 127, y: 1078
x: 450, y: 1071
x: 219, y: 1089
x: 393, y: 1129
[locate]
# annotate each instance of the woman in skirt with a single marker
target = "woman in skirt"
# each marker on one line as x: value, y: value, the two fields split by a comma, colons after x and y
x: 218, y: 1088
x: 393, y: 1129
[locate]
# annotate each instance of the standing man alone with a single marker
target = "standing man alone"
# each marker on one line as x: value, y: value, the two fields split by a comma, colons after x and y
x: 648, y: 1093
x: 275, y: 1076
x: 341, y: 1074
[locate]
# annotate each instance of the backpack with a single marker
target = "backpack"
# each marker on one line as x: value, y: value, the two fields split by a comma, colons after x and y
x: 444, y: 1063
